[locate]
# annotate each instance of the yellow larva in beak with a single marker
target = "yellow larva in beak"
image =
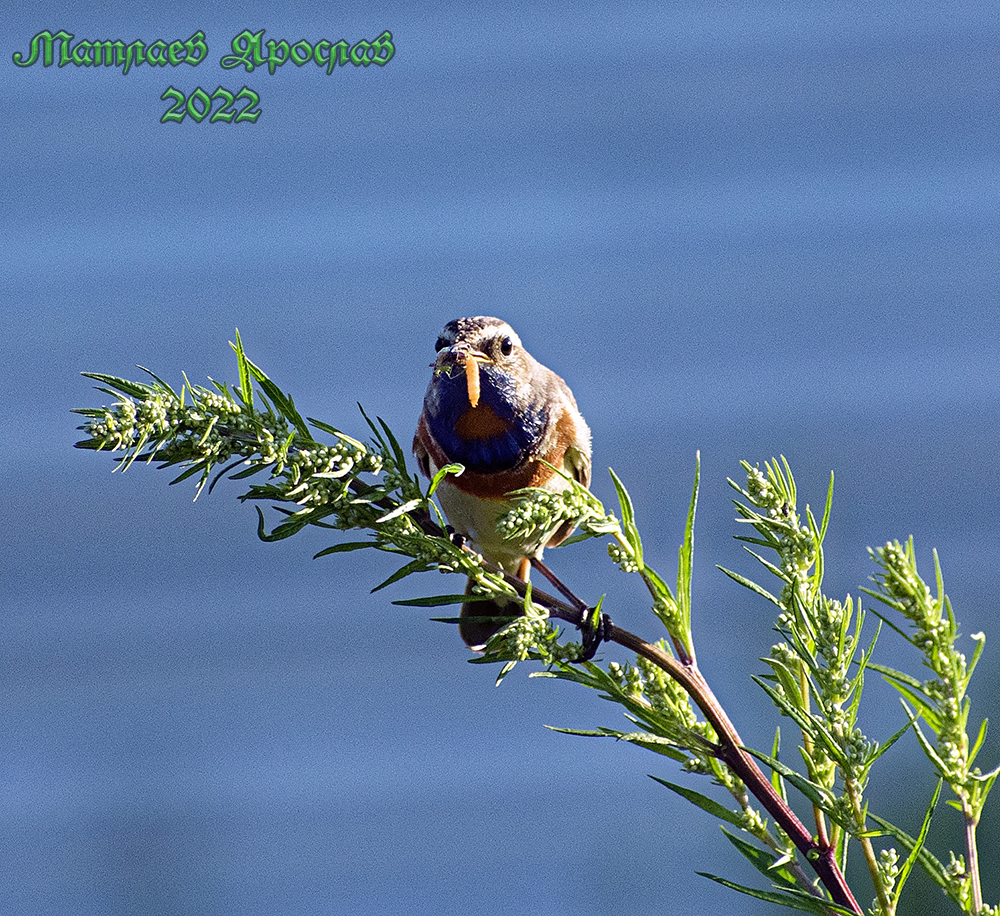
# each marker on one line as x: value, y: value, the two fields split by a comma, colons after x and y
x: 472, y: 378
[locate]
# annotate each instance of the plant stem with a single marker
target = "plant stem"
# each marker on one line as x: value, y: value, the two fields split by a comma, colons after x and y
x: 851, y: 790
x: 731, y: 751
x: 972, y: 862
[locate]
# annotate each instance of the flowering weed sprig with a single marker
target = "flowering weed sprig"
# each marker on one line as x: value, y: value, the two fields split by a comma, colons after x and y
x: 343, y: 484
x: 942, y: 703
x: 811, y: 680
x: 816, y: 670
x: 536, y: 510
x: 818, y: 675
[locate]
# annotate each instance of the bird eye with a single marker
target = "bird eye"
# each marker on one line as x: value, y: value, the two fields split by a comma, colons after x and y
x: 506, y: 346
x: 442, y: 342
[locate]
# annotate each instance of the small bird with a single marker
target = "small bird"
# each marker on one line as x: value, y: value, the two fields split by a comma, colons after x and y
x: 493, y: 408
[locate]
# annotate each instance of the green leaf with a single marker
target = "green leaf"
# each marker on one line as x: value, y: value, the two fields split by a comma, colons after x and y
x: 158, y: 380
x: 918, y: 845
x: 456, y: 469
x: 186, y: 473
x: 706, y: 804
x: 748, y: 583
x: 919, y: 701
x: 978, y: 743
x: 220, y: 474
x: 397, y: 451
x: 629, y: 529
x: 646, y: 740
x: 789, y: 682
x: 898, y: 676
x: 401, y: 509
x: 246, y: 385
x: 579, y: 537
x: 763, y: 860
x: 817, y: 574
x: 325, y: 427
x: 401, y: 573
x: 250, y: 471
x: 810, y: 725
x: 929, y: 750
x: 121, y: 386
x: 295, y: 523
x: 770, y: 567
x: 805, y: 903
x: 820, y: 796
x: 882, y: 748
x: 931, y: 865
x: 826, y: 510
x: 440, y: 600
x: 776, y: 781
x: 283, y: 403
x: 454, y: 620
x: 655, y: 583
x: 343, y: 548
x: 771, y: 542
x: 685, y: 564
x: 794, y: 901
x: 507, y: 668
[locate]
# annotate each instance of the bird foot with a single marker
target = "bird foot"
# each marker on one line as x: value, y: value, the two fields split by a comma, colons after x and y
x: 595, y: 628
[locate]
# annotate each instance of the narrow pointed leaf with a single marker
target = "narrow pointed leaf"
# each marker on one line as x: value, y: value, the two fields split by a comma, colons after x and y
x: 762, y: 859
x: 709, y: 805
x: 978, y: 743
x: 246, y: 384
x: 629, y: 529
x: 750, y: 584
x: 397, y: 451
x: 441, y: 600
x: 818, y: 795
x: 343, y: 548
x: 401, y: 509
x: 805, y: 903
x: 890, y: 742
x: 282, y: 402
x: 776, y: 781
x: 456, y: 469
x: 918, y: 845
x: 826, y: 510
x: 931, y: 865
x: 401, y: 573
x: 811, y: 726
x: 770, y: 567
x: 929, y: 750
x: 685, y: 562
x: 122, y: 386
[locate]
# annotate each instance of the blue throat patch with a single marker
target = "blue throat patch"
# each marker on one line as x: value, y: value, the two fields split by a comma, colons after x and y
x: 521, y: 430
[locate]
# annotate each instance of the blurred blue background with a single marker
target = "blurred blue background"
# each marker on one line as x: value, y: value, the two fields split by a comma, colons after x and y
x: 746, y: 228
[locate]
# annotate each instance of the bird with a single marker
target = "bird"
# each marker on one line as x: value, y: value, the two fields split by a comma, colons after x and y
x: 511, y: 422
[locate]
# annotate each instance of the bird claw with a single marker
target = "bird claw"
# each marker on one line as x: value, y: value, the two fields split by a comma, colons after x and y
x: 594, y: 627
x: 457, y: 539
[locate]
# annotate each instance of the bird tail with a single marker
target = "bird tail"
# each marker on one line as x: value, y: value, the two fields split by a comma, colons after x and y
x: 480, y: 620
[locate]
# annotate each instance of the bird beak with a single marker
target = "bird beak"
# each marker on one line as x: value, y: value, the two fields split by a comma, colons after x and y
x: 466, y: 359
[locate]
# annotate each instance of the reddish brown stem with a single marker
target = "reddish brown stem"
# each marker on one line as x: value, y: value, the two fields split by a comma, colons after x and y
x: 730, y: 749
